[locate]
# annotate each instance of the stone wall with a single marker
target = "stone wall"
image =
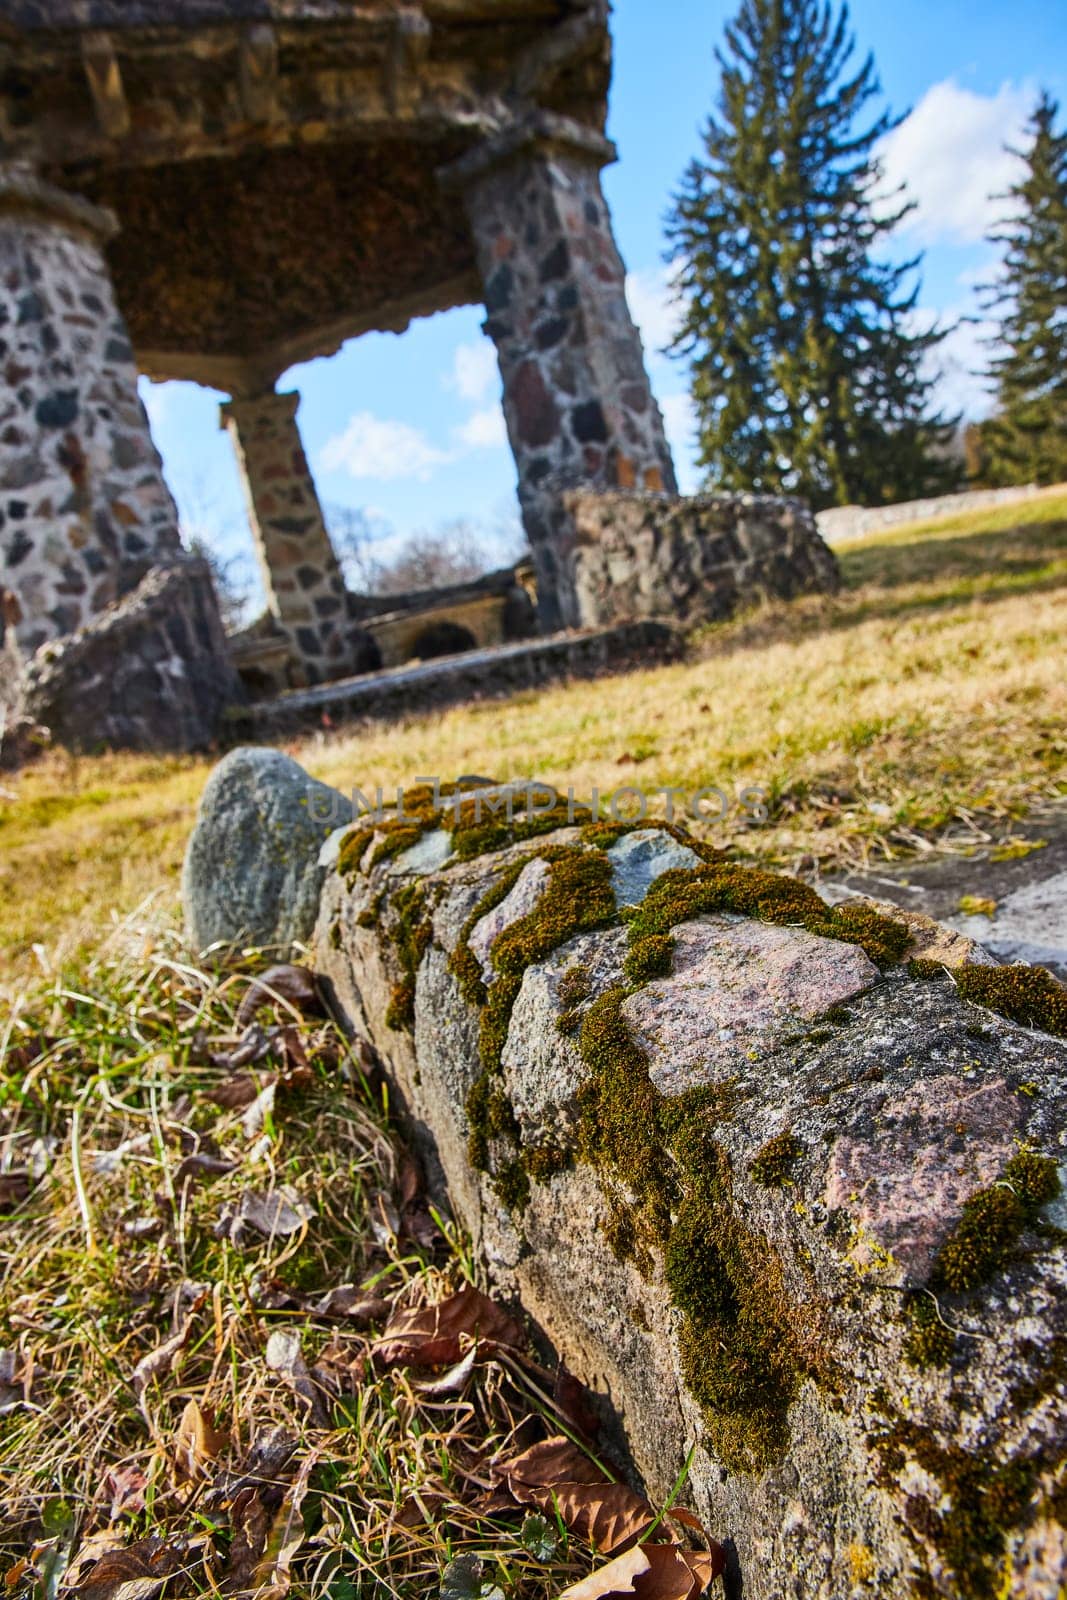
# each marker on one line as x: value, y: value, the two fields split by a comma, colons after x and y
x: 151, y: 672
x: 691, y: 560
x: 456, y: 680
x: 772, y: 1192
x: 851, y: 522
x: 84, y: 510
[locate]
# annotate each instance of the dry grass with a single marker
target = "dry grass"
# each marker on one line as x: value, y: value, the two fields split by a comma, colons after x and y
x: 925, y: 704
x: 110, y: 1247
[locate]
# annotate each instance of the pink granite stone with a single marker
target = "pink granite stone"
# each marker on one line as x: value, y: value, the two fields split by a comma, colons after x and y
x: 905, y: 1186
x: 737, y: 986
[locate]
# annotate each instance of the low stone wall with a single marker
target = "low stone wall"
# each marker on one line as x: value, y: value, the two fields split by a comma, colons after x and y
x: 149, y: 673
x: 451, y: 680
x: 772, y: 1192
x: 691, y: 560
x: 851, y: 522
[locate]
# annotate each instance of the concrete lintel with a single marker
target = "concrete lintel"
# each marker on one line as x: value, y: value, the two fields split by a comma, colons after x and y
x: 24, y: 190
x: 251, y: 375
x: 546, y: 129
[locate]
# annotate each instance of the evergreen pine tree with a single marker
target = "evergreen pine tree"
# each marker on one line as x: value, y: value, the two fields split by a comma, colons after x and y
x: 808, y: 375
x: 1026, y: 442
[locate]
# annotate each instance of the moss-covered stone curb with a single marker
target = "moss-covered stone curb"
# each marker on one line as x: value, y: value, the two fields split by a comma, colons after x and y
x: 824, y: 1254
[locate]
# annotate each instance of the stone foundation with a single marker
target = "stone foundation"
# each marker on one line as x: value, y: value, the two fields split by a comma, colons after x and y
x: 149, y: 673
x: 691, y: 560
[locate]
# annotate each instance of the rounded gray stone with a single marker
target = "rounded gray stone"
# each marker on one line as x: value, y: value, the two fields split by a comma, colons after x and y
x: 252, y: 870
x: 639, y: 858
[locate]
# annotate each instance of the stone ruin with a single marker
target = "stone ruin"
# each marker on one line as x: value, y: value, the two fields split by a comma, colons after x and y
x: 780, y: 1182
x: 215, y: 190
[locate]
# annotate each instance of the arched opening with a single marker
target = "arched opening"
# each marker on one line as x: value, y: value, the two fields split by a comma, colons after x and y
x: 444, y: 638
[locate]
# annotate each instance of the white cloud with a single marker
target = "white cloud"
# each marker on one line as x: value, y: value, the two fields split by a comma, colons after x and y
x: 377, y: 447
x: 474, y: 370
x: 962, y: 359
x: 654, y: 306
x: 484, y: 430
x: 950, y: 155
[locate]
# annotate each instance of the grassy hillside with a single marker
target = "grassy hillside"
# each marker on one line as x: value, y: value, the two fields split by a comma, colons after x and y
x: 927, y: 700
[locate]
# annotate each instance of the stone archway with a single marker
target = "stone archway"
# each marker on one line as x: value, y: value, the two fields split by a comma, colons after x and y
x: 443, y: 638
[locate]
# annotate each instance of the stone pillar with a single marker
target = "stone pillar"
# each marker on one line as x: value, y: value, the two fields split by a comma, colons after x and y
x: 305, y: 588
x: 84, y: 509
x: 577, y: 400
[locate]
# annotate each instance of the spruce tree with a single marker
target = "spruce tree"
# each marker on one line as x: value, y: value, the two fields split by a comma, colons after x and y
x: 808, y: 374
x: 1026, y: 442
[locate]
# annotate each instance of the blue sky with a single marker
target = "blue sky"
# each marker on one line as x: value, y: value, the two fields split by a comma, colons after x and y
x: 408, y: 427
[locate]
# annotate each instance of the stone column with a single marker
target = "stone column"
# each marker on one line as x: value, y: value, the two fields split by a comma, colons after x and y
x: 577, y: 400
x: 305, y: 588
x: 84, y: 509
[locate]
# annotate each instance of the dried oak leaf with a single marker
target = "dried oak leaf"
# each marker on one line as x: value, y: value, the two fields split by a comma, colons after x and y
x: 275, y: 1213
x: 295, y: 985
x: 432, y: 1336
x: 651, y: 1572
x: 135, y: 1572
x: 555, y: 1476
x: 354, y: 1305
x: 162, y: 1358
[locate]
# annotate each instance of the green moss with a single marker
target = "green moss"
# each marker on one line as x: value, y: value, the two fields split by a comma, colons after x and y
x: 410, y: 931
x: 992, y: 1222
x: 512, y: 1185
x: 575, y: 985
x: 682, y: 894
x: 928, y: 1343
x: 476, y: 839
x: 353, y: 846
x: 335, y: 934
x: 987, y: 1501
x: 1029, y: 995
x: 737, y: 1338
x: 542, y: 1161
x: 773, y: 1163
x: 650, y: 958
x: 400, y: 1012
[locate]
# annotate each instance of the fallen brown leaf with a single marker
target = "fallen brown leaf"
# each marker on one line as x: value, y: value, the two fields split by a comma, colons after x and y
x: 557, y: 1477
x: 138, y: 1570
x: 236, y: 1092
x: 276, y: 1213
x: 162, y: 1358
x: 283, y: 1356
x: 14, y: 1189
x: 355, y: 1305
x: 293, y: 984
x: 126, y: 1486
x: 432, y: 1336
x: 197, y: 1443
x: 651, y: 1572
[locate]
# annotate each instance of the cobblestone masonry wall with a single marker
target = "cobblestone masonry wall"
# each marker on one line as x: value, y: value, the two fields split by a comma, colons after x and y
x: 305, y: 589
x: 693, y: 560
x: 84, y: 509
x: 577, y: 399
